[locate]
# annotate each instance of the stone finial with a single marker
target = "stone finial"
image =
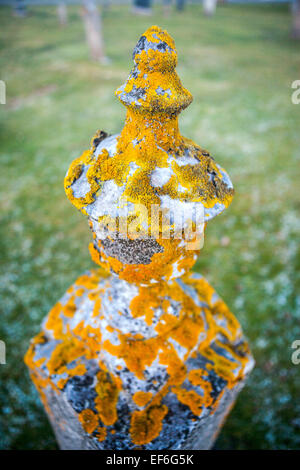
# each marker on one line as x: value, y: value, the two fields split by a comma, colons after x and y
x: 148, y: 357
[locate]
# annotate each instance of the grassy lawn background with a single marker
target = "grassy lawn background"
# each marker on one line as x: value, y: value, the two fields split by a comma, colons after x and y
x: 239, y: 66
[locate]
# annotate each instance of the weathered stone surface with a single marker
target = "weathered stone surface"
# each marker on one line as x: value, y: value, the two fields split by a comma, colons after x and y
x: 197, y: 385
x: 176, y: 433
x: 153, y: 358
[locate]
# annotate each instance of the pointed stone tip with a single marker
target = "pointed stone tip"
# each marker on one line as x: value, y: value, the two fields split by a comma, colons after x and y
x: 155, y: 50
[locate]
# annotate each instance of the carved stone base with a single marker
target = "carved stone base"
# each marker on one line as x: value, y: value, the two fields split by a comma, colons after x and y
x: 124, y: 367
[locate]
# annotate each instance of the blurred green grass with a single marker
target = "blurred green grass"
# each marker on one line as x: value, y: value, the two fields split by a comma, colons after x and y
x: 239, y: 66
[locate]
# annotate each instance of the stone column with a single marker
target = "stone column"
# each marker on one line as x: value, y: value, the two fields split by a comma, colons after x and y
x: 93, y: 30
x: 140, y: 353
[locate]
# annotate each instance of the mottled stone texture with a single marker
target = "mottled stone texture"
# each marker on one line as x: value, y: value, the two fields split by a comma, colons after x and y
x: 138, y: 353
x: 201, y: 436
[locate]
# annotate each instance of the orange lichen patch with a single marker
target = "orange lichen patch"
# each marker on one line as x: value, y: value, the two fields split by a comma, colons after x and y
x: 101, y: 434
x: 137, y: 352
x: 144, y: 304
x: 220, y: 311
x: 39, y: 362
x: 166, y: 323
x: 80, y: 369
x: 118, y: 382
x: 146, y: 425
x: 154, y: 61
x: 65, y: 353
x: 29, y: 356
x: 141, y: 398
x: 153, y: 297
x: 115, y: 264
x: 70, y: 308
x: 54, y: 322
x: 79, y: 292
x: 97, y: 138
x: 221, y: 365
x: 90, y: 336
x: 107, y: 397
x: 156, y: 136
x: 175, y: 366
x: 40, y: 382
x: 89, y: 420
x: 230, y: 370
x: 196, y: 179
x: 149, y: 141
x: 97, y: 305
x: 187, y: 333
